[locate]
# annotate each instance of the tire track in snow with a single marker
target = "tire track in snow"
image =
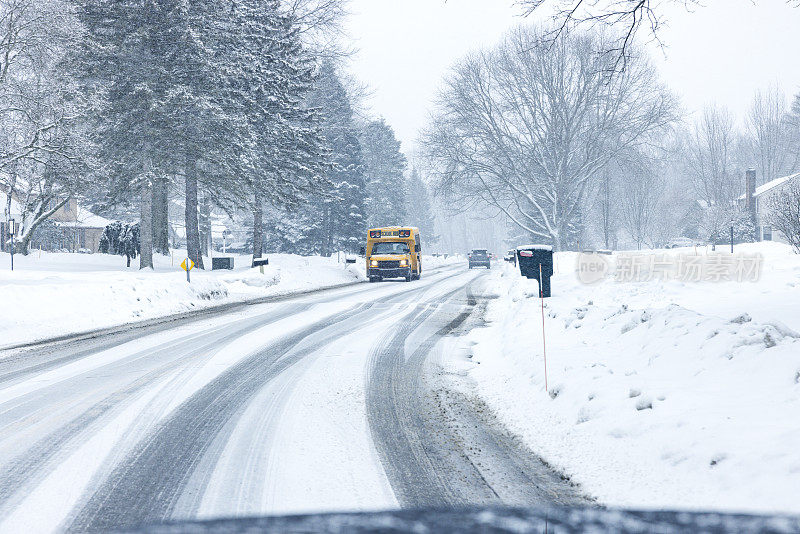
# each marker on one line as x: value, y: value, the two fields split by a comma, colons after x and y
x: 54, y: 439
x: 34, y: 362
x: 417, y: 470
x: 166, y: 462
x: 31, y: 466
x: 435, y: 446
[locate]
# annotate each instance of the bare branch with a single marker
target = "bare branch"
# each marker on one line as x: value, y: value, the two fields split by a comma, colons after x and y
x: 526, y: 128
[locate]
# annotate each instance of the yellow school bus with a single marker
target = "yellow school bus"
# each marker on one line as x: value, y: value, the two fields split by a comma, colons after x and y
x: 393, y: 252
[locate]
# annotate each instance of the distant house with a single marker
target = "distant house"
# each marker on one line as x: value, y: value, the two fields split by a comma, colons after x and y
x: 756, y: 200
x: 80, y: 227
x: 75, y: 228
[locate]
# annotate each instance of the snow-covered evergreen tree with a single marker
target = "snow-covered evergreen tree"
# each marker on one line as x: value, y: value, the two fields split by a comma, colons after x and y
x: 270, y: 76
x: 420, y: 212
x: 212, y: 91
x: 208, y: 128
x: 122, y: 58
x: 335, y: 219
x: 384, y: 168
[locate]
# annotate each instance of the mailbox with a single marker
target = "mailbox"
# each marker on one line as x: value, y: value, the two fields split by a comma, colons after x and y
x: 221, y: 262
x: 533, y: 257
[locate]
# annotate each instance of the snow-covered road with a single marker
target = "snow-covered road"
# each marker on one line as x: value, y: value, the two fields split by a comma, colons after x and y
x: 326, y: 401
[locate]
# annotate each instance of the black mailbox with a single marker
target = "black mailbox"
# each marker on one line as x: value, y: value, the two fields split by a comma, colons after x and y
x: 221, y: 262
x: 530, y: 258
x: 260, y: 262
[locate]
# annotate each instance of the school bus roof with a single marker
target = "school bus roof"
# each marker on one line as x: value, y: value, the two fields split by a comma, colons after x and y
x: 413, y: 228
x: 392, y: 232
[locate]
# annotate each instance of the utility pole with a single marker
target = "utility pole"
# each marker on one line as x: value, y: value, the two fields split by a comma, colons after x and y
x: 12, y: 230
x: 731, y: 239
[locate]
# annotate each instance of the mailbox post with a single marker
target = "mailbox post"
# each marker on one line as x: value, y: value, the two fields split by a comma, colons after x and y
x: 536, y: 261
x: 260, y: 263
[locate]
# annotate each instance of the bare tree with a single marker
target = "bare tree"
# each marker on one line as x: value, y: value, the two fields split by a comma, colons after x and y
x: 710, y: 157
x: 608, y: 208
x: 784, y: 213
x: 43, y: 146
x: 769, y: 134
x: 623, y: 17
x: 626, y: 17
x: 526, y: 127
x: 33, y: 35
x: 641, y: 194
x: 319, y: 22
x: 792, y: 121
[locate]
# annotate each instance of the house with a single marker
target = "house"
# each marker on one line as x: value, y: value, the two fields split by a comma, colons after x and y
x: 81, y: 228
x: 74, y: 228
x: 757, y: 201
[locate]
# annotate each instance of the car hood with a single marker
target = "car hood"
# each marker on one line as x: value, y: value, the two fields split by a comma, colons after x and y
x: 478, y: 519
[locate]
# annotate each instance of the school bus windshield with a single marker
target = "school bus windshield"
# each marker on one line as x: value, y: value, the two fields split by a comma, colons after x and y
x: 390, y: 247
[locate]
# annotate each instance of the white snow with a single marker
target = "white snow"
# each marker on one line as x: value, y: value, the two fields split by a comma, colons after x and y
x: 49, y: 503
x: 303, y: 445
x: 535, y: 247
x: 86, y: 219
x: 51, y: 294
x: 662, y: 393
x: 237, y: 350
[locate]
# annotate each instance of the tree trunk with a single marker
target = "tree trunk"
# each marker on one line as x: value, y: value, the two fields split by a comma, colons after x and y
x: 328, y: 229
x: 21, y: 245
x: 161, y: 215
x: 205, y: 225
x: 556, y: 237
x: 146, y: 225
x: 258, y: 227
x: 606, y: 208
x: 192, y: 225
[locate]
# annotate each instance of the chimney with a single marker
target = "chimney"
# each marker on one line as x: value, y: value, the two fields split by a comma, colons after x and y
x: 750, y: 199
x: 750, y: 185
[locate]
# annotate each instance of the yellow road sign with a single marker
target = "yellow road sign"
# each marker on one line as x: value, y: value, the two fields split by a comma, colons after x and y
x: 184, y: 264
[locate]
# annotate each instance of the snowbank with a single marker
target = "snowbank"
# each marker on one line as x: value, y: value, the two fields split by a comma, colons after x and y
x: 661, y: 393
x: 52, y: 294
x: 57, y: 294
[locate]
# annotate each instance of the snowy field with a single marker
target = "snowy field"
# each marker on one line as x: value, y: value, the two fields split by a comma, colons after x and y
x: 662, y: 393
x: 51, y: 294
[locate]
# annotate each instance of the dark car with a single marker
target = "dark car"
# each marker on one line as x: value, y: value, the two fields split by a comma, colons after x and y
x: 479, y: 257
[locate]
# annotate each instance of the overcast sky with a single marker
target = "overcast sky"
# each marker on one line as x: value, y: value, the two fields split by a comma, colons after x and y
x: 722, y: 52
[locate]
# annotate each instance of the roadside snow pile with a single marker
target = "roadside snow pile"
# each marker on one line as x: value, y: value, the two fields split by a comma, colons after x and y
x: 661, y: 393
x: 58, y: 294
x: 52, y: 294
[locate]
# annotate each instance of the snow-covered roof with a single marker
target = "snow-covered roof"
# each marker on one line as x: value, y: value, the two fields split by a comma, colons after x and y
x: 535, y: 247
x: 86, y: 219
x: 772, y: 184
